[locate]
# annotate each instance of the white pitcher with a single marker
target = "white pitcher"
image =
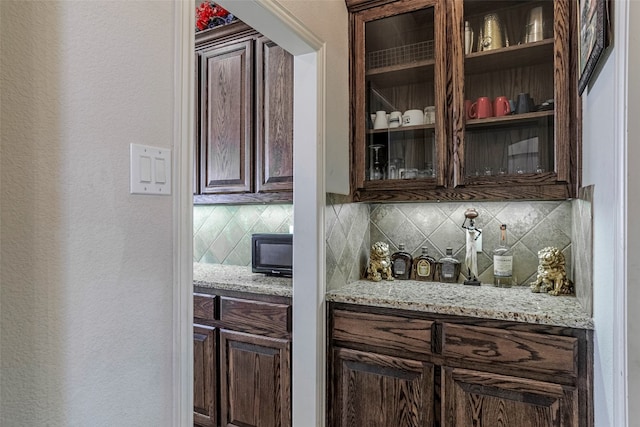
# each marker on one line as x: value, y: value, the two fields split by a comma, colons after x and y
x: 381, y: 121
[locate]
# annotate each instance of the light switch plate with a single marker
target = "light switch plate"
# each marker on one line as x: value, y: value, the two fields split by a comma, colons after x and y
x: 150, y: 170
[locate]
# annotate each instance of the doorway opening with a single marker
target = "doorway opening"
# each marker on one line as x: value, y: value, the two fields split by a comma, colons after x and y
x: 273, y: 21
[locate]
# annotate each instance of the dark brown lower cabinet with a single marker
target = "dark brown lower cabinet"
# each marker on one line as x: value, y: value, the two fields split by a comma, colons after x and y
x: 392, y: 367
x: 242, y: 360
x: 475, y: 398
x: 255, y: 380
x: 367, y: 382
x: 204, y: 368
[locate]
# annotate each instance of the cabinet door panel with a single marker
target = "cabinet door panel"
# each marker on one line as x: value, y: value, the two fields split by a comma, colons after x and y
x: 274, y: 117
x: 476, y: 399
x: 380, y: 391
x: 226, y: 118
x: 255, y: 380
x: 204, y: 378
x: 405, y: 73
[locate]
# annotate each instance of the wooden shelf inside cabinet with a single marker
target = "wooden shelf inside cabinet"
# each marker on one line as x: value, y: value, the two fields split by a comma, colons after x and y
x: 544, y: 178
x: 399, y: 185
x: 521, y: 55
x: 402, y: 129
x: 515, y: 119
x: 411, y: 72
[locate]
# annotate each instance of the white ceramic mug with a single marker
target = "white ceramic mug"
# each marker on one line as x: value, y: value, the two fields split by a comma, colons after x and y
x: 412, y: 118
x: 395, y: 119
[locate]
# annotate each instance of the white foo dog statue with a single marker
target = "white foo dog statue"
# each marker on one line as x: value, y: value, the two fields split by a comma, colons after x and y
x: 552, y: 277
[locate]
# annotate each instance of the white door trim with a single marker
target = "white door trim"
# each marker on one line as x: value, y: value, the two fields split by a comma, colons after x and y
x: 621, y: 85
x: 183, y: 214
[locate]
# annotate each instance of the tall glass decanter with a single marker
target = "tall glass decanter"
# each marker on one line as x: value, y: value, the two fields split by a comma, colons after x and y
x: 503, y: 261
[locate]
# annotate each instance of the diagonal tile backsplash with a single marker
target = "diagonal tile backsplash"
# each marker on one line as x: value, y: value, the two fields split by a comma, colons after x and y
x: 583, y: 247
x: 222, y: 233
x: 530, y: 227
x: 347, y: 235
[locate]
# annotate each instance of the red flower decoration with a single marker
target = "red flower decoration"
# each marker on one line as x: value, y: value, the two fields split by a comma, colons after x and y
x: 209, y: 15
x: 219, y: 11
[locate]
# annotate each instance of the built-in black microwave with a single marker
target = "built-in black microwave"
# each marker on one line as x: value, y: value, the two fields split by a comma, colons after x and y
x: 272, y: 253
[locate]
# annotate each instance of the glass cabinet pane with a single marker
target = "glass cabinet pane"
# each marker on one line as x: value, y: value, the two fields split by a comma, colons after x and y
x: 509, y: 88
x: 400, y: 98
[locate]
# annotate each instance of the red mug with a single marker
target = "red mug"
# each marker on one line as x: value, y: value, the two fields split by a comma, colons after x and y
x: 481, y: 109
x: 501, y: 106
x: 467, y: 108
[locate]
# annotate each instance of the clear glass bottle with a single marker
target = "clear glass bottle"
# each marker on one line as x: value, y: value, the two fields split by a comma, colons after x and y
x: 503, y: 261
x: 448, y: 267
x: 424, y: 266
x: 401, y: 263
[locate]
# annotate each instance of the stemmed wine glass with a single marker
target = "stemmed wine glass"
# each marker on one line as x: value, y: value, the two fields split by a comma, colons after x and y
x: 375, y: 169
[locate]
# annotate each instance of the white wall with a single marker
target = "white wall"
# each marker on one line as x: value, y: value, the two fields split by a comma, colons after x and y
x: 86, y: 268
x: 598, y: 124
x: 604, y: 166
x: 328, y: 19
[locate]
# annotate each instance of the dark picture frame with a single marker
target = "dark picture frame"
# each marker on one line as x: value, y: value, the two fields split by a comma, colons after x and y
x: 592, y: 38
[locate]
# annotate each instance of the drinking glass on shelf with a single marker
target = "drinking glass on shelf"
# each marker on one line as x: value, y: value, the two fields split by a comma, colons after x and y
x: 539, y: 169
x: 488, y: 171
x: 395, y: 166
x: 429, y: 171
x: 375, y: 170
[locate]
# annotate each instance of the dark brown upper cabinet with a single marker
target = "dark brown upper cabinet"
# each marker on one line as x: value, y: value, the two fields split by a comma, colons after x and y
x: 274, y: 117
x: 244, y: 130
x: 432, y: 118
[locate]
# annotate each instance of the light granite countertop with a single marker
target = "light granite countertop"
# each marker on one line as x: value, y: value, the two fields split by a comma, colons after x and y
x: 515, y: 304
x: 239, y: 278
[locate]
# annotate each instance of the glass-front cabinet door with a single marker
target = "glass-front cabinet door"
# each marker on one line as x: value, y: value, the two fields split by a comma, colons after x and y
x: 464, y: 99
x: 514, y: 99
x: 399, y: 110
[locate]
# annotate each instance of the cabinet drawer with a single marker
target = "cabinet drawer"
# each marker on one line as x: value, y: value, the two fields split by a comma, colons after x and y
x: 401, y: 334
x: 256, y: 317
x: 204, y: 306
x: 547, y: 354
